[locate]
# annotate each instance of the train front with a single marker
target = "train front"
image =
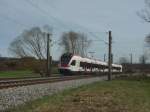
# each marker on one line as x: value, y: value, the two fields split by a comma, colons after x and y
x: 64, y: 67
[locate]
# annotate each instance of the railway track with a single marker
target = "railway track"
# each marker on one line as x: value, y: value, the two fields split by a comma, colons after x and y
x: 9, y: 83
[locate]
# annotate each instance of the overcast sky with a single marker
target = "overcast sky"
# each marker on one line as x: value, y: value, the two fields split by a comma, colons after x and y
x: 97, y: 16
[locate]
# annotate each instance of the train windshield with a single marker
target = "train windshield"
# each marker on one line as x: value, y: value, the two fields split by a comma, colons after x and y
x: 65, y: 58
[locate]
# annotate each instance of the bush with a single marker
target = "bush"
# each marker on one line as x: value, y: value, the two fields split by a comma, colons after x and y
x: 40, y: 67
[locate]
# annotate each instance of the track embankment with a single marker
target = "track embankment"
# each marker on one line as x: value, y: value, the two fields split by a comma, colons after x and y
x: 15, y: 96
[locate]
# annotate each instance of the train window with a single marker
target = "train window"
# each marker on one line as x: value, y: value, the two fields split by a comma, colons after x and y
x: 65, y: 59
x: 73, y: 63
x: 82, y: 64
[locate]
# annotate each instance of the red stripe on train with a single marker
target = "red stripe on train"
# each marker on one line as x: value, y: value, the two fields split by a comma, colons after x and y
x: 64, y: 65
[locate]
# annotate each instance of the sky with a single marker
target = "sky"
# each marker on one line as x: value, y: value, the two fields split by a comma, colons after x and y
x: 93, y: 17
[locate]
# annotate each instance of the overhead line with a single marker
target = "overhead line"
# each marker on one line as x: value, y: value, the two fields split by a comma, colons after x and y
x: 77, y: 25
x: 56, y: 19
x: 98, y: 39
x: 46, y: 13
x: 12, y: 20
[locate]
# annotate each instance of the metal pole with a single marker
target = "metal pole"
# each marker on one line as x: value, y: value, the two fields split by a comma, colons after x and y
x: 110, y: 57
x: 131, y: 58
x: 92, y: 58
x: 104, y: 57
x: 48, y: 55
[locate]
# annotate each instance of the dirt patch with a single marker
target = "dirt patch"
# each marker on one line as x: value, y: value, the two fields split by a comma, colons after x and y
x: 95, y: 102
x: 89, y: 102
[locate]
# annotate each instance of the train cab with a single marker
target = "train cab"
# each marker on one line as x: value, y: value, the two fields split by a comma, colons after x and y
x: 64, y: 63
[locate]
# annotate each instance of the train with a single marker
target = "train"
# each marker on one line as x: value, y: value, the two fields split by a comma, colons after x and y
x: 70, y: 64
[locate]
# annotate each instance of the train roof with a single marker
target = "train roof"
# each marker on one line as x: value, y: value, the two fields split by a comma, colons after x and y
x: 116, y: 65
x: 89, y: 60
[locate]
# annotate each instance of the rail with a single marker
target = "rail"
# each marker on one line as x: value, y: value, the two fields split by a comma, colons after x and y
x: 31, y: 81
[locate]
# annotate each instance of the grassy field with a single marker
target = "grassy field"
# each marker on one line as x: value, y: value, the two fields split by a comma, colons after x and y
x: 121, y: 95
x: 24, y: 73
x: 16, y: 74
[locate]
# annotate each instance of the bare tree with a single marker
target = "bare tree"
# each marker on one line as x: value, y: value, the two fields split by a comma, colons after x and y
x: 145, y: 13
x: 83, y: 44
x: 69, y: 41
x: 16, y: 48
x: 76, y: 43
x: 143, y: 59
x: 147, y: 39
x: 123, y: 60
x: 146, y: 54
x: 30, y: 43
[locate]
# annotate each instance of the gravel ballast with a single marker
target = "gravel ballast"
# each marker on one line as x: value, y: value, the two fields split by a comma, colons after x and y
x: 12, y: 97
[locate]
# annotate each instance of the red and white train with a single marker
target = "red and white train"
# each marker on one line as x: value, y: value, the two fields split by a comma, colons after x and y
x: 71, y: 64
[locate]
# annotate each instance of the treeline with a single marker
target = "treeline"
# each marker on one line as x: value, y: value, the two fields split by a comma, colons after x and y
x: 26, y: 63
x: 136, y: 68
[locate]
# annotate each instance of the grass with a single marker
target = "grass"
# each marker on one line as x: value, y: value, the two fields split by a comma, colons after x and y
x: 55, y: 70
x: 122, y: 95
x: 24, y: 73
x: 17, y: 74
